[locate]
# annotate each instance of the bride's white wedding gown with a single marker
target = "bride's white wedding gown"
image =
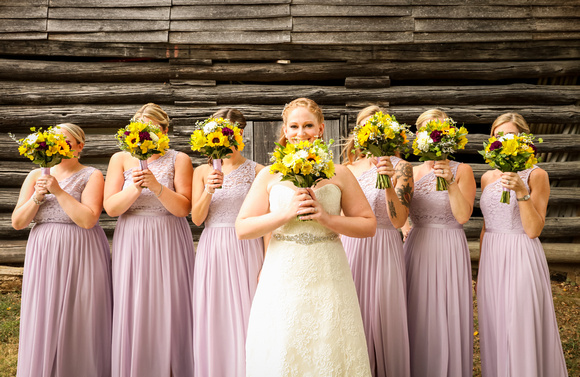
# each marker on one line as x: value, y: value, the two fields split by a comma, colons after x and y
x: 305, y: 318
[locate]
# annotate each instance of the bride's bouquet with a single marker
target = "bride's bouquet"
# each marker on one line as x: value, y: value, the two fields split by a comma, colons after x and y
x: 304, y: 164
x: 437, y: 140
x: 142, y: 140
x: 216, y: 138
x: 510, y: 153
x: 381, y: 136
x: 45, y: 148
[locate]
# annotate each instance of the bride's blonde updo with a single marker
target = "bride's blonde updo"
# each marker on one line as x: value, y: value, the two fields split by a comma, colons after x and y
x: 299, y: 102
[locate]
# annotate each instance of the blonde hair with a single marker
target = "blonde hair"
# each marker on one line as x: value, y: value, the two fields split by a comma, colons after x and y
x: 515, y: 118
x: 299, y: 102
x: 348, y: 157
x: 233, y: 115
x: 430, y: 114
x: 155, y: 113
x: 76, y: 132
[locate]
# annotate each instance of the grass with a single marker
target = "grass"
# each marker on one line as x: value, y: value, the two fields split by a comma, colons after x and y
x: 566, y: 303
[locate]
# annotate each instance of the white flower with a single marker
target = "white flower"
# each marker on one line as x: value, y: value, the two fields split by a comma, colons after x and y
x: 423, y: 141
x: 395, y: 126
x: 31, y: 139
x: 507, y: 137
x: 302, y: 154
x: 154, y: 138
x: 210, y: 127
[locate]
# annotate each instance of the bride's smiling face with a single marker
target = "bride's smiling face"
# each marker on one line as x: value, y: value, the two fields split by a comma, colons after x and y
x: 302, y: 125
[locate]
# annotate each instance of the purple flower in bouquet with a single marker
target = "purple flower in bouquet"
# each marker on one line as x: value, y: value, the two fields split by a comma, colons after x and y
x: 496, y: 144
x: 227, y: 131
x: 42, y: 146
x: 144, y: 135
x: 436, y: 136
x: 534, y: 148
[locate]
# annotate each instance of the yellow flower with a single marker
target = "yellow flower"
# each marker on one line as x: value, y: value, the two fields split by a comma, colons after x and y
x: 279, y: 168
x: 307, y: 168
x: 197, y: 140
x: 288, y: 160
x: 462, y: 142
x: 216, y: 139
x: 240, y: 140
x: 329, y: 169
x: 146, y: 146
x: 510, y: 147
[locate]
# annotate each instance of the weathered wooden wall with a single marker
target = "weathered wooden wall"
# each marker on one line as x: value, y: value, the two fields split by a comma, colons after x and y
x: 95, y: 63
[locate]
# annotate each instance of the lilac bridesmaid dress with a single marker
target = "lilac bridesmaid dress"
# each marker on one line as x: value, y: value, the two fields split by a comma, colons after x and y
x: 153, y: 256
x: 517, y: 323
x: 439, y: 292
x: 378, y: 268
x: 225, y: 280
x: 65, y: 318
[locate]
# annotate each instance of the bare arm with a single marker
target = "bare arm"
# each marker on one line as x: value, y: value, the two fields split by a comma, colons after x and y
x: 177, y: 202
x: 116, y: 199
x: 399, y: 197
x: 205, y: 181
x: 26, y: 209
x: 461, y: 192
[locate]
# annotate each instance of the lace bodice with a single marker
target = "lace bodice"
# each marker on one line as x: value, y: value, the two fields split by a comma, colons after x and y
x: 501, y: 216
x: 51, y: 211
x: 164, y: 170
x: 430, y: 206
x: 329, y: 197
x: 375, y: 196
x: 227, y: 201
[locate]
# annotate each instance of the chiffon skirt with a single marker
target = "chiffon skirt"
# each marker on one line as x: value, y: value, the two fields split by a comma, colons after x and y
x: 378, y: 268
x: 440, y: 304
x: 518, y: 330
x: 153, y: 259
x: 65, y: 319
x: 225, y: 280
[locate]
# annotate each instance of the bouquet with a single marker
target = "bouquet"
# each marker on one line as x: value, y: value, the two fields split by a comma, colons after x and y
x: 381, y: 136
x: 510, y: 153
x: 436, y: 140
x: 142, y: 140
x: 45, y: 148
x: 215, y: 138
x: 304, y: 164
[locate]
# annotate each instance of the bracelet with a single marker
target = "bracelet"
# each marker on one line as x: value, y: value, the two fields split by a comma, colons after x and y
x: 452, y: 180
x: 160, y: 191
x: 36, y: 201
x: 524, y: 198
x: 206, y: 190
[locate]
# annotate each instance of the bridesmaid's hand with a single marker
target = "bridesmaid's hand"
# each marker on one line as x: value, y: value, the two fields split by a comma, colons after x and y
x: 311, y: 209
x: 137, y: 176
x: 214, y: 180
x: 441, y: 169
x: 512, y: 181
x: 385, y: 167
x: 49, y: 184
x: 40, y: 191
x: 149, y: 181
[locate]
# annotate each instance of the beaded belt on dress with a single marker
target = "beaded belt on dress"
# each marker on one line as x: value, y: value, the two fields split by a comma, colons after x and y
x: 305, y: 238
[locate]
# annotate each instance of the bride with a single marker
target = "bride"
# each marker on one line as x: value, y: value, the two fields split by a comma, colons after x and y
x: 305, y: 318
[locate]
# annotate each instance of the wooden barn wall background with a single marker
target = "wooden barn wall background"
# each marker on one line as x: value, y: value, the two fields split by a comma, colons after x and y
x: 95, y: 62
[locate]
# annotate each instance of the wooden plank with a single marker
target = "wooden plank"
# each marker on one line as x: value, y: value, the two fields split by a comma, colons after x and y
x: 433, y: 37
x: 228, y: 12
x: 28, y: 3
x: 556, y: 12
x: 468, y: 11
x: 144, y: 13
x: 108, y: 3
x: 534, y: 2
x: 230, y: 37
x: 472, y: 25
x: 358, y: 82
x: 87, y: 26
x: 23, y: 36
x: 232, y: 2
x: 22, y: 26
x: 338, y: 10
x: 352, y: 24
x: 352, y: 38
x: 278, y: 23
x: 555, y: 227
x: 557, y: 24
x: 556, y: 35
x: 343, y: 3
x: 29, y: 12
x: 134, y: 37
x: 555, y: 252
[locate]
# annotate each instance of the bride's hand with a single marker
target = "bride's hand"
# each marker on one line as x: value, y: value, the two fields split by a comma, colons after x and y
x: 297, y: 203
x: 310, y: 208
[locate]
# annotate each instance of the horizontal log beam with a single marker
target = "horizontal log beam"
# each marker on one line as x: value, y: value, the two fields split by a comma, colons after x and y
x: 377, y: 90
x: 29, y: 70
x: 555, y: 252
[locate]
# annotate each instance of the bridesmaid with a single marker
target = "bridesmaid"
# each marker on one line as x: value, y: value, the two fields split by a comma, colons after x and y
x: 439, y: 293
x: 226, y: 269
x: 378, y: 263
x: 153, y: 256
x: 65, y: 319
x: 517, y: 323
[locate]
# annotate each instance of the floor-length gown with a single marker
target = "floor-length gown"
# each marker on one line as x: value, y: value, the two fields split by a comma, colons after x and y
x: 305, y: 318
x: 517, y: 324
x: 225, y: 280
x: 65, y: 318
x: 439, y: 290
x: 378, y: 269
x: 153, y: 257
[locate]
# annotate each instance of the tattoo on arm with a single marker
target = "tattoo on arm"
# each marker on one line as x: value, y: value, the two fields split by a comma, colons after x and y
x: 405, y: 194
x: 392, y: 209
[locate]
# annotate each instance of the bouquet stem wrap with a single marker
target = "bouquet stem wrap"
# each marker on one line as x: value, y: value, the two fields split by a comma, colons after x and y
x: 142, y: 164
x: 45, y: 171
x: 217, y: 165
x: 383, y: 181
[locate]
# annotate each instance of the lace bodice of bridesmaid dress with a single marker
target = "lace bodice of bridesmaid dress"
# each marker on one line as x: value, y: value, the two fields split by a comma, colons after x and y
x: 375, y: 196
x: 164, y: 170
x: 227, y: 201
x: 501, y: 216
x: 51, y: 211
x: 430, y: 206
x: 329, y: 196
